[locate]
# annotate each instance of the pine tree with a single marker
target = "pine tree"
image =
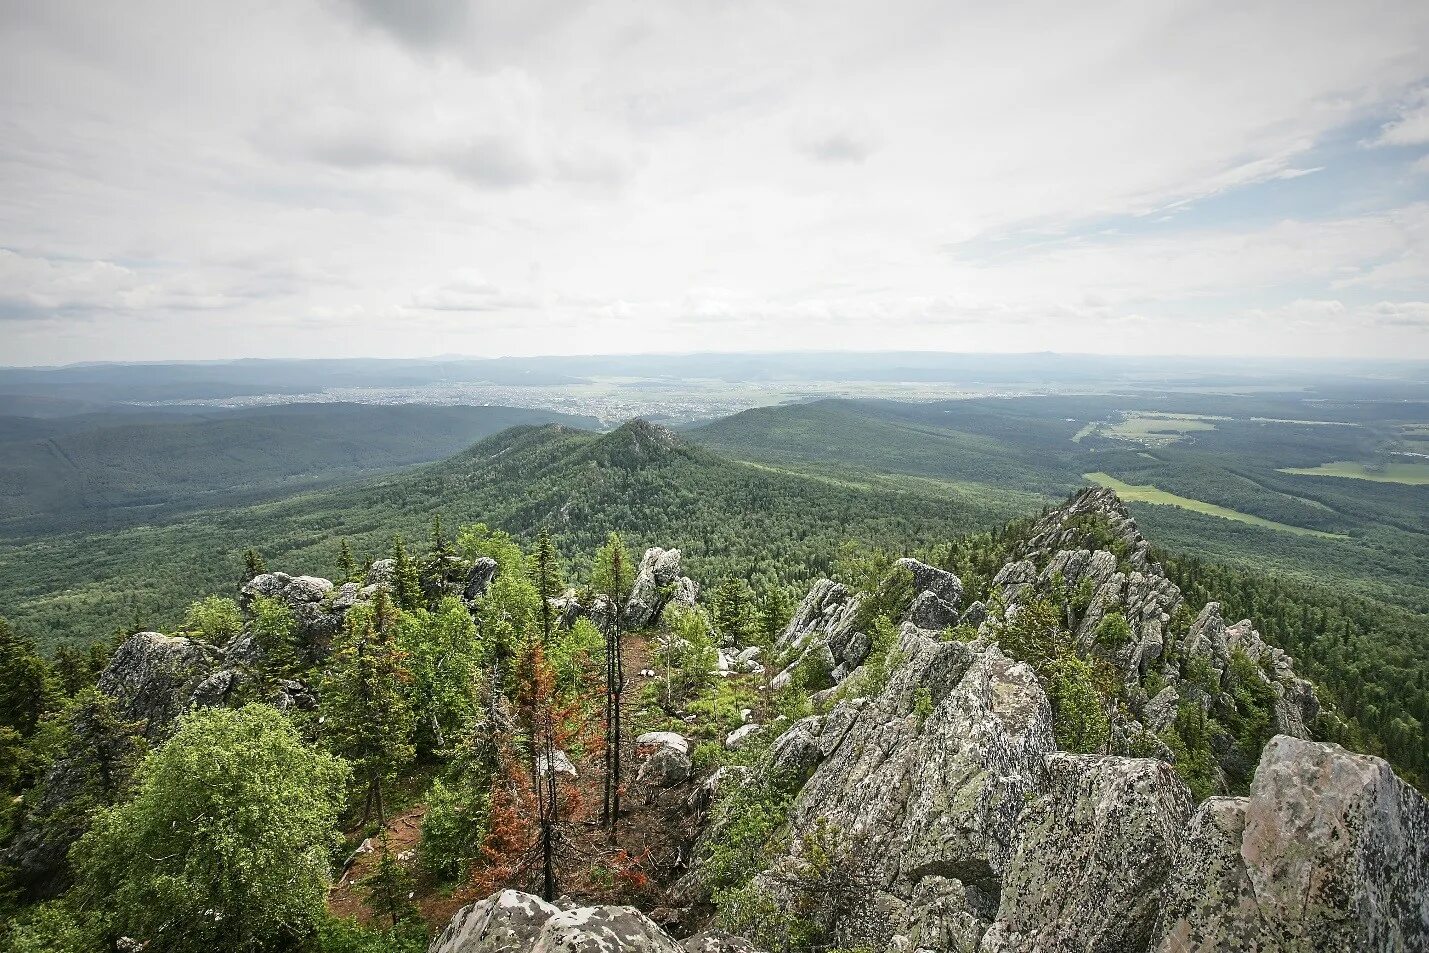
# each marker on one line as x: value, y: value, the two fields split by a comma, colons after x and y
x: 543, y: 728
x: 440, y: 547
x: 27, y: 687
x: 346, y: 565
x: 610, y: 577
x: 406, y: 584
x: 253, y: 565
x: 364, y: 704
x: 547, y: 580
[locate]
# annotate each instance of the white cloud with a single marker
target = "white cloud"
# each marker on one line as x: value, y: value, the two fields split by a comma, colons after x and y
x: 1411, y: 128
x: 438, y: 176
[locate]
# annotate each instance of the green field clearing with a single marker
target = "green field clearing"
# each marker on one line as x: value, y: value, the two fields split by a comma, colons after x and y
x: 1157, y: 429
x: 1413, y: 474
x: 1150, y: 494
x: 1315, y: 423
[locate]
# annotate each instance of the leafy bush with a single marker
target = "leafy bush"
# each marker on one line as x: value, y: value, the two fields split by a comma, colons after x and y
x: 453, y: 829
x: 225, y: 843
x: 214, y: 619
x: 1079, y: 716
x: 1113, y: 631
x: 748, y: 819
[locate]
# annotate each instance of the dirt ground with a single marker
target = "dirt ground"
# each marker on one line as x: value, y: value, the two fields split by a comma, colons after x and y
x: 655, y: 836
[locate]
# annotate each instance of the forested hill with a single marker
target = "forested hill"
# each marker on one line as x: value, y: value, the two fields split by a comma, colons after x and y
x: 1230, y: 478
x: 731, y: 519
x: 99, y: 470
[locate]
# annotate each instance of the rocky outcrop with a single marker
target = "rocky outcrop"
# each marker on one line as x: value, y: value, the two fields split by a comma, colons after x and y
x: 153, y: 678
x: 510, y: 921
x: 1095, y: 850
x: 1210, y: 639
x: 478, y: 578
x: 1088, y: 557
x: 824, y: 635
x: 922, y: 787
x: 1330, y: 851
x: 316, y: 618
x: 657, y: 583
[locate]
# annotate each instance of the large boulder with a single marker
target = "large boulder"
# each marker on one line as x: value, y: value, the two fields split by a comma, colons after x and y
x: 665, y: 768
x: 1095, y: 850
x: 925, y: 780
x: 478, y: 578
x: 939, y: 582
x: 657, y: 582
x: 821, y: 636
x: 152, y: 678
x: 512, y: 921
x: 1330, y: 851
x: 313, y: 601
x: 509, y: 920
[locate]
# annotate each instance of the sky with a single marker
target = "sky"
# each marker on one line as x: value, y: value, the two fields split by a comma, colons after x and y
x: 331, y: 178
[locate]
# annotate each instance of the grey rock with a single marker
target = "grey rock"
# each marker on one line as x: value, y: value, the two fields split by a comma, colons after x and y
x: 316, y: 616
x: 1330, y: 851
x: 505, y: 921
x: 512, y: 921
x: 665, y: 768
x: 939, y: 582
x: 153, y: 678
x: 927, y: 779
x: 651, y: 740
x: 291, y: 694
x: 657, y: 581
x: 736, y: 738
x: 1095, y: 850
x: 558, y: 761
x: 478, y: 578
x: 1161, y: 710
x: 931, y: 612
x: 380, y: 573
x: 974, y: 614
x: 717, y: 941
x: 217, y: 689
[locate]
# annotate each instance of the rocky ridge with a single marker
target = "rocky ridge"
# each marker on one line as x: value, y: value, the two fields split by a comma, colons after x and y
x: 935, y: 812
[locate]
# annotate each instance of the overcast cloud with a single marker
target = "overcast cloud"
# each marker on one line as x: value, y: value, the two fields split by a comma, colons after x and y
x: 358, y: 177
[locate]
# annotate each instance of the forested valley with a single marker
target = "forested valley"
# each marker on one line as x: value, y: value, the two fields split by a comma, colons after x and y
x: 381, y: 710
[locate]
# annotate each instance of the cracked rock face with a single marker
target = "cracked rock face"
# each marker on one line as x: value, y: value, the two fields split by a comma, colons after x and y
x: 1330, y: 851
x: 657, y: 583
x: 1095, y: 850
x: 153, y: 678
x: 512, y: 921
x: 924, y: 784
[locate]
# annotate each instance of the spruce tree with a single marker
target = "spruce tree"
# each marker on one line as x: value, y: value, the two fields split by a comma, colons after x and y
x: 610, y: 577
x: 406, y: 583
x: 346, y: 565
x: 253, y: 565
x: 364, y: 706
x: 440, y: 547
x: 27, y: 687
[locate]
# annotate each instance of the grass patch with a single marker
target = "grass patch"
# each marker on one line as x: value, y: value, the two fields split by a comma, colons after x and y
x: 1412, y: 474
x: 1151, y: 494
x: 1157, y: 429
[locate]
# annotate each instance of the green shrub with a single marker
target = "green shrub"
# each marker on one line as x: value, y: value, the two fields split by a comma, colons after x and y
x: 214, y: 619
x: 1113, y: 631
x: 1079, y: 715
x: 452, y: 829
